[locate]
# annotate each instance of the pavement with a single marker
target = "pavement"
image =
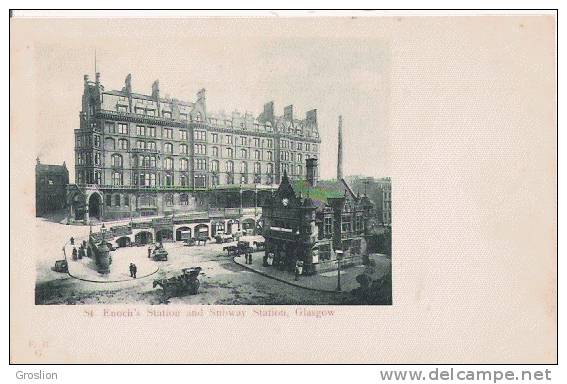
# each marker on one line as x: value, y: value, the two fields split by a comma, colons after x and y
x: 85, y: 268
x: 324, y: 282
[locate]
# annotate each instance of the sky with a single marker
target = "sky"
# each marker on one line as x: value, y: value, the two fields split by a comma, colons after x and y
x: 242, y: 63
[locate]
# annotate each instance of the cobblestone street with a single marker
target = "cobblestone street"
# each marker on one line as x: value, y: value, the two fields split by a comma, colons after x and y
x: 222, y: 280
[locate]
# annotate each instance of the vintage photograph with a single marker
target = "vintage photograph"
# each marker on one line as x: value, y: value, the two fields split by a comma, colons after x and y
x: 223, y: 180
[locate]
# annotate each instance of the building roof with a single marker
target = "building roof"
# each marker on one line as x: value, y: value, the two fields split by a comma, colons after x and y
x: 319, y: 195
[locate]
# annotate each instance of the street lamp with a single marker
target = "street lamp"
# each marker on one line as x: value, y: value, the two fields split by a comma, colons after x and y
x: 339, y: 254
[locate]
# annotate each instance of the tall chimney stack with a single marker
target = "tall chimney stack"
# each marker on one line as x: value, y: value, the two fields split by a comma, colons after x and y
x: 340, y: 152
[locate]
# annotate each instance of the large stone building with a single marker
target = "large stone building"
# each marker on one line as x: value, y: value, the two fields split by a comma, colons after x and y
x: 144, y: 155
x: 50, y: 187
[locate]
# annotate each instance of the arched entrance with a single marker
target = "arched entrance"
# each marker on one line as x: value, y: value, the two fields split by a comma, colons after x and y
x: 164, y: 235
x: 123, y: 241
x: 249, y: 226
x: 232, y: 226
x: 95, y: 206
x: 182, y: 233
x: 144, y: 237
x: 202, y: 230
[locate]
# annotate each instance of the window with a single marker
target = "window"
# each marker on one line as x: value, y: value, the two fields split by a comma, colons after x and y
x: 269, y: 155
x: 117, y: 200
x: 109, y: 200
x: 328, y: 226
x: 183, y: 116
x: 198, y: 117
x: 257, y: 155
x: 122, y: 144
x: 183, y: 180
x: 299, y: 158
x: 307, y: 147
x: 122, y: 128
x: 168, y: 148
x: 200, y: 149
x: 141, y: 144
x: 126, y: 200
x: 243, y: 140
x: 140, y: 130
x: 116, y: 160
x: 215, y: 166
x: 97, y: 158
x: 183, y: 149
x: 151, y: 145
x: 139, y: 111
x: 183, y: 135
x: 229, y: 152
x: 215, y: 151
x: 150, y: 112
x: 201, y: 135
x: 168, y: 180
x: 184, y: 164
x: 300, y: 170
x: 109, y: 127
x: 116, y: 178
x: 228, y: 139
x: 168, y: 164
x: 98, y: 178
x: 269, y: 168
x: 346, y: 223
x: 200, y: 181
x: 109, y: 144
x: 283, y: 143
x: 256, y: 142
x: 167, y: 114
x: 257, y: 168
x: 169, y: 199
x: 151, y: 131
x: 97, y: 141
x: 215, y: 137
x: 184, y: 199
x: 201, y: 164
x: 314, y: 147
x: 243, y: 154
x: 243, y: 167
x: 229, y: 166
x: 269, y: 143
x: 300, y: 146
x: 168, y: 133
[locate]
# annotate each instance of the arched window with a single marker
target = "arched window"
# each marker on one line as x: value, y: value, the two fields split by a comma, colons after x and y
x: 243, y: 167
x: 168, y: 163
x: 116, y: 160
x: 168, y: 180
x: 269, y: 168
x: 215, y: 166
x: 184, y: 164
x: 169, y: 199
x: 257, y: 155
x: 183, y: 180
x: 117, y: 200
x: 243, y: 153
x: 229, y: 166
x: 183, y: 149
x: 215, y: 152
x: 269, y: 155
x: 168, y: 148
x: 229, y: 153
x: 257, y: 168
x: 116, y: 178
x: 184, y: 199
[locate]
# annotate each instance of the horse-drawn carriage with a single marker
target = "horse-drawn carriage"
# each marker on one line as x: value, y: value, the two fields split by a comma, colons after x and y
x: 199, y: 240
x: 224, y: 238
x: 260, y: 245
x: 187, y: 282
x: 159, y: 254
x: 240, y: 248
x: 60, y: 266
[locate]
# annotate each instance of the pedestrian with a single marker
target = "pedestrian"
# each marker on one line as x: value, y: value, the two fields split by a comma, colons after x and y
x: 131, y: 269
x: 81, y: 252
x: 149, y: 252
x: 134, y: 270
x: 249, y: 257
x: 72, y: 241
x: 74, y: 253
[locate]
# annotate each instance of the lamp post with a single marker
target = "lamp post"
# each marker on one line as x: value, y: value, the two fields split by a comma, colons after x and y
x: 339, y: 254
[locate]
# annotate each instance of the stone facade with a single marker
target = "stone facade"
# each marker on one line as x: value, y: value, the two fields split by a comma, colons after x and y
x: 145, y: 155
x: 50, y: 187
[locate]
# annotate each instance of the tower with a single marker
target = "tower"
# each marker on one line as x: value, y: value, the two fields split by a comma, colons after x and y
x: 340, y: 151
